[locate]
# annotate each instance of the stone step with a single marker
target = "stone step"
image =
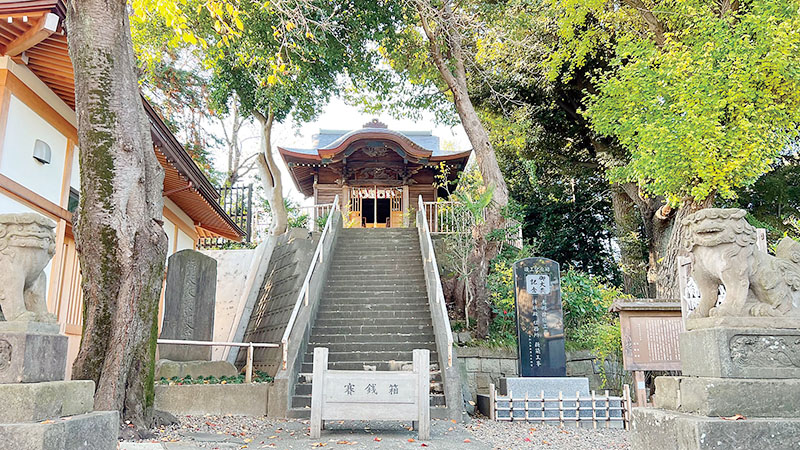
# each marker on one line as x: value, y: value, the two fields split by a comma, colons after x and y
x: 418, y: 306
x: 34, y: 402
x: 379, y: 346
x: 411, y: 338
x: 356, y: 356
x: 374, y: 329
x: 308, y: 367
x: 350, y: 291
x: 367, y: 315
x: 304, y: 388
x: 405, y: 259
x: 408, y: 274
x: 377, y: 321
x: 437, y: 412
x: 375, y: 266
x: 367, y: 302
x: 91, y: 431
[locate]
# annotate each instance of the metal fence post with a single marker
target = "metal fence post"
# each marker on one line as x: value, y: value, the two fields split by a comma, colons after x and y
x: 248, y: 375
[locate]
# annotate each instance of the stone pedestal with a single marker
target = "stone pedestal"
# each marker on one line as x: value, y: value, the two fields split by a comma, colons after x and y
x: 31, y: 352
x: 739, y: 389
x: 40, y: 411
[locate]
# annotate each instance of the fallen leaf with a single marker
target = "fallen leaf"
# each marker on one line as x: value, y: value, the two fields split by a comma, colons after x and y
x: 527, y: 439
x: 450, y: 429
x: 319, y: 444
x: 423, y: 445
x: 46, y: 421
x: 545, y: 443
x: 735, y: 417
x: 467, y: 441
x: 377, y: 439
x: 272, y: 437
x: 453, y: 420
x: 345, y: 443
x: 410, y: 440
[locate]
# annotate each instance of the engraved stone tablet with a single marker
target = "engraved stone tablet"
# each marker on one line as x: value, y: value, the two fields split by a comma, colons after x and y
x: 540, y: 320
x: 189, y: 301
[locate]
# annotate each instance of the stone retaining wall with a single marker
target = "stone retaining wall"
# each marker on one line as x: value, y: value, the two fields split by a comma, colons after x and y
x: 217, y: 399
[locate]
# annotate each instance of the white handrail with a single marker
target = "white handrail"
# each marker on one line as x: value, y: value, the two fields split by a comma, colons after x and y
x: 425, y: 231
x: 302, y: 296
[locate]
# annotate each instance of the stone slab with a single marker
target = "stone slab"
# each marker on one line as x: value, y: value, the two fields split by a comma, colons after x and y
x: 550, y: 385
x: 741, y: 353
x: 743, y: 322
x: 93, y: 431
x: 32, y: 357
x: 189, y: 303
x: 236, y: 399
x: 21, y: 326
x: 33, y: 402
x: 655, y: 428
x: 168, y: 369
x: 725, y: 397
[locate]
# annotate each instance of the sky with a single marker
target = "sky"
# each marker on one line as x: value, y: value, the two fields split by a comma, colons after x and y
x: 337, y: 115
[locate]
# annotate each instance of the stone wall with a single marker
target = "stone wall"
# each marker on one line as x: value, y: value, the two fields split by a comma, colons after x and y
x: 249, y: 399
x: 481, y: 366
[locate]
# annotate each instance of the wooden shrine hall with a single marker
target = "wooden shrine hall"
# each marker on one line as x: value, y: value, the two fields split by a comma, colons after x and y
x: 377, y: 173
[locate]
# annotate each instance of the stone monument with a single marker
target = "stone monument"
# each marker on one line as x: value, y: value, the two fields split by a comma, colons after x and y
x: 39, y: 410
x: 189, y: 301
x: 189, y: 304
x: 740, y: 359
x: 540, y: 328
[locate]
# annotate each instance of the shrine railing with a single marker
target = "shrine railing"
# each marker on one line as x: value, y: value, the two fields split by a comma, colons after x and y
x: 434, y: 282
x: 307, y: 291
x: 446, y: 217
x: 316, y: 214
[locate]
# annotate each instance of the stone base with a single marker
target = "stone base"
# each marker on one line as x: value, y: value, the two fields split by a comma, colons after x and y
x: 741, y: 353
x: 725, y: 397
x: 551, y: 386
x: 743, y: 322
x: 217, y: 399
x: 175, y: 352
x: 168, y: 369
x: 92, y: 431
x: 669, y: 430
x: 34, y: 402
x: 30, y: 357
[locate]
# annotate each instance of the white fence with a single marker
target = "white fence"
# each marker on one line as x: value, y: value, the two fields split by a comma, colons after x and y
x: 315, y: 212
x: 445, y: 217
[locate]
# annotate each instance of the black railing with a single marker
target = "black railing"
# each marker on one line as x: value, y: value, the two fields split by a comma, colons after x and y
x: 237, y: 201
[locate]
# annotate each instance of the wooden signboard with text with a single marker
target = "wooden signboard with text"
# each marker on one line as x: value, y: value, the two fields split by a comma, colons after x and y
x: 371, y: 395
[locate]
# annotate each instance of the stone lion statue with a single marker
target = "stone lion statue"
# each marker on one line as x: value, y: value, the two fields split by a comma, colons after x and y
x: 723, y: 248
x: 27, y: 242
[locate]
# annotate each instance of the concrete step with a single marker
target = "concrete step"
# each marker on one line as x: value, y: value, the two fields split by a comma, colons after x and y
x: 437, y: 412
x: 304, y: 401
x: 374, y: 329
x: 377, y: 321
x: 89, y: 431
x: 412, y: 338
x: 351, y: 291
x: 367, y: 302
x: 408, y: 274
x: 376, y: 346
x: 368, y: 314
x: 308, y: 367
x: 356, y: 356
x: 417, y: 306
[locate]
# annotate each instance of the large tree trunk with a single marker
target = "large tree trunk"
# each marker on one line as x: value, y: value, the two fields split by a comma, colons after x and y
x: 633, y: 261
x: 451, y: 67
x: 271, y: 177
x: 120, y: 240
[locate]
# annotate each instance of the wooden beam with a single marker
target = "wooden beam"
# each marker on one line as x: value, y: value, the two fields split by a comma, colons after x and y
x: 34, y: 200
x: 39, y: 31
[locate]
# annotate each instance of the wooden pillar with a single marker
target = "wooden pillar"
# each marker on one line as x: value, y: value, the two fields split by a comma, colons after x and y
x: 406, y: 206
x: 641, y: 389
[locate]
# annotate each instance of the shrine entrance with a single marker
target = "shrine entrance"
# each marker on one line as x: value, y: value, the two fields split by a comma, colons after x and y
x: 376, y: 207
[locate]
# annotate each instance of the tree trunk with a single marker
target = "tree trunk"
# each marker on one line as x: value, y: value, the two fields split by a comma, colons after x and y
x: 671, y: 243
x: 271, y: 177
x: 633, y: 262
x: 120, y: 240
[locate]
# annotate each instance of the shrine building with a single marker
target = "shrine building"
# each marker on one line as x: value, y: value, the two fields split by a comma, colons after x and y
x: 377, y: 173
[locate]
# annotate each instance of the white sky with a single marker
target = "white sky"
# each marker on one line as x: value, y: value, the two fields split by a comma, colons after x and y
x: 336, y: 115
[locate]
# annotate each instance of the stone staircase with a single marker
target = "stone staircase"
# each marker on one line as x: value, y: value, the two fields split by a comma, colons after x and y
x: 374, y: 311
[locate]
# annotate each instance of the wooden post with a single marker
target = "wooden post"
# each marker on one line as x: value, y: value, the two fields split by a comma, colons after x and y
x: 626, y: 404
x: 492, y: 400
x: 641, y: 391
x: 422, y: 359
x: 248, y: 374
x: 317, y: 387
x: 406, y: 206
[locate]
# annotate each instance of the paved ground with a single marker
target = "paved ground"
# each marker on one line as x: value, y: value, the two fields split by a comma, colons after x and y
x: 232, y: 432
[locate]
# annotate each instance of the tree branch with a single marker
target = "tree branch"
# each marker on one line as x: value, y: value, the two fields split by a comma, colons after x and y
x: 655, y: 25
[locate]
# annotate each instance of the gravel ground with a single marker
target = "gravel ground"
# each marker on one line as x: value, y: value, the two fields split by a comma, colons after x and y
x: 237, y: 432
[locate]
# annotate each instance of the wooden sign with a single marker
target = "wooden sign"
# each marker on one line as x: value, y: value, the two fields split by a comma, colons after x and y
x: 371, y: 395
x: 650, y: 334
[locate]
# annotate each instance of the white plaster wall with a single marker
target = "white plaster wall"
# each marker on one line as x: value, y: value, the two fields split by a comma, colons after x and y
x: 75, y: 176
x: 169, y: 228
x: 234, y: 267
x: 16, y: 162
x: 184, y: 241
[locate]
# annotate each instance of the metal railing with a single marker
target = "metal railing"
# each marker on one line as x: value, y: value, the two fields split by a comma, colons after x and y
x: 433, y: 281
x: 248, y: 374
x: 303, y: 295
x: 445, y: 217
x: 314, y: 212
x: 237, y: 201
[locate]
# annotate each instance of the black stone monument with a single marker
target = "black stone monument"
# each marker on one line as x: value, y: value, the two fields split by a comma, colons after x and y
x: 540, y: 320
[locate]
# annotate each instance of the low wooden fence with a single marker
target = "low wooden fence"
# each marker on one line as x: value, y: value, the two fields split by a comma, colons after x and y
x: 606, y: 410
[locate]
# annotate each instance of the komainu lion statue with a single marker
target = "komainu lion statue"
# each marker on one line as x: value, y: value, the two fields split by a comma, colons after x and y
x: 723, y: 248
x: 27, y: 242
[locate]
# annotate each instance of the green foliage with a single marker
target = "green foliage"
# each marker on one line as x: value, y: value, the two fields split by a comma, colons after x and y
x: 258, y: 377
x: 503, y: 329
x: 703, y: 109
x: 322, y: 220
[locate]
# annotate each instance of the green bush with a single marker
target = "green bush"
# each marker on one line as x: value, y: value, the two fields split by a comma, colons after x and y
x: 258, y: 377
